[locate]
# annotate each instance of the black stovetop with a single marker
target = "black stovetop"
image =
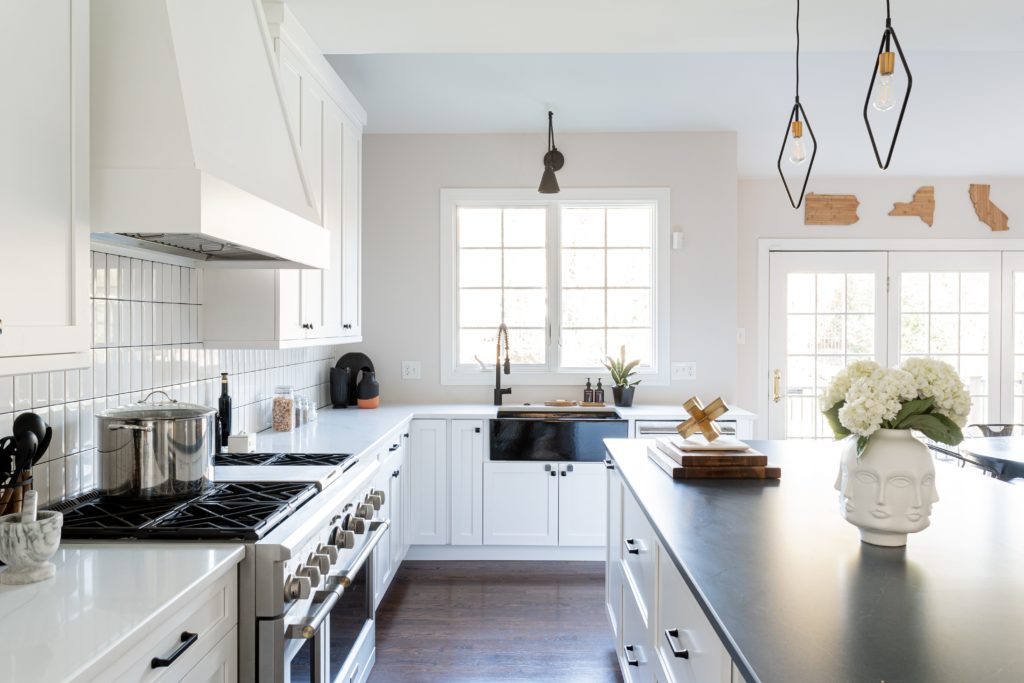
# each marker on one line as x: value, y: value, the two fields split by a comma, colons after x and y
x: 226, y: 511
x: 264, y: 459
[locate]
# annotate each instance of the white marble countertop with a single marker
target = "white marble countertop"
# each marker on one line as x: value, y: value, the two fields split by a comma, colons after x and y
x: 104, y: 599
x: 353, y: 430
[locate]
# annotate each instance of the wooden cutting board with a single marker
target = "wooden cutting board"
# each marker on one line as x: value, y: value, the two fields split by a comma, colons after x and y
x: 677, y: 471
x: 747, y: 458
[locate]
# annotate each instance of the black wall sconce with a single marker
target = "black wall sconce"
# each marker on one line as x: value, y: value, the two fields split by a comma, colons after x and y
x: 884, y: 98
x: 553, y: 161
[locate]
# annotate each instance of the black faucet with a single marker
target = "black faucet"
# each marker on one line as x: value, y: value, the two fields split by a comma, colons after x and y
x: 498, y: 391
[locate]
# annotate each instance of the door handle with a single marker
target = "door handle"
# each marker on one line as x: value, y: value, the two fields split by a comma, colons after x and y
x: 631, y: 658
x: 632, y: 547
x: 672, y: 636
x: 187, y: 641
x: 776, y: 385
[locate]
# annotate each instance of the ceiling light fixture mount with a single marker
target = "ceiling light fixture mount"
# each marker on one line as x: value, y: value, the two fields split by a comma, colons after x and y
x: 553, y: 161
x: 795, y: 132
x: 884, y: 100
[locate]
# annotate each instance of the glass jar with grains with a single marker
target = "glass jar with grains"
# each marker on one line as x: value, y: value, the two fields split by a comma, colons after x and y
x: 283, y: 409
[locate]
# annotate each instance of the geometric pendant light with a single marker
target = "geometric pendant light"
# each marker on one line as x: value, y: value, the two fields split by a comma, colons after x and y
x: 553, y: 161
x: 793, y: 139
x: 884, y: 98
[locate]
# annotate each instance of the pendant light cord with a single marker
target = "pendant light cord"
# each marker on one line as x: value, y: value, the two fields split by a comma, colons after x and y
x: 798, y: 49
x: 551, y: 131
x: 888, y: 11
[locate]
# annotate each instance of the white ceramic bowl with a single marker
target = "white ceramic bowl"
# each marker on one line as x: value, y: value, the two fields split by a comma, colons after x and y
x: 26, y: 548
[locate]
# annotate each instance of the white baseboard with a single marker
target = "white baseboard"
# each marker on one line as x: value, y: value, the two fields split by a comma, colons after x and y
x: 505, y: 552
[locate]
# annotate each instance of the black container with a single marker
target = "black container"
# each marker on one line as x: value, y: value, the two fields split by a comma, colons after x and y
x: 224, y: 411
x: 623, y: 396
x: 341, y: 379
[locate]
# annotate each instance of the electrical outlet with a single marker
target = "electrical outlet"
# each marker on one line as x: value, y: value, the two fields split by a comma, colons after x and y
x: 411, y: 369
x: 684, y: 371
x: 741, y: 335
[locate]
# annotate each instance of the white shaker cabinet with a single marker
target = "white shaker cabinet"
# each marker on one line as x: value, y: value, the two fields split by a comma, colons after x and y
x: 44, y: 187
x: 582, y: 503
x: 467, y: 461
x: 289, y: 308
x: 520, y: 503
x: 428, y: 469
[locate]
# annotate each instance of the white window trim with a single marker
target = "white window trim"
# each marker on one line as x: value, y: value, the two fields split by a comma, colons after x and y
x: 451, y: 198
x: 766, y: 245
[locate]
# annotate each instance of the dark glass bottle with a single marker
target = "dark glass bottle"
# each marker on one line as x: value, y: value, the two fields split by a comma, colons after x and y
x: 599, y: 392
x: 588, y: 393
x: 224, y: 410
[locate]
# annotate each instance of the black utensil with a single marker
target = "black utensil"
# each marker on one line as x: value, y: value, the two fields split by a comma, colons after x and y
x: 43, y: 445
x: 30, y: 422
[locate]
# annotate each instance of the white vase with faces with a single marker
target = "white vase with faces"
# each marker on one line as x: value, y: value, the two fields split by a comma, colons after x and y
x: 889, y: 490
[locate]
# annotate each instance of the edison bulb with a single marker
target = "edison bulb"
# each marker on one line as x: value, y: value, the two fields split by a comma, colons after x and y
x: 797, y: 152
x: 885, y: 96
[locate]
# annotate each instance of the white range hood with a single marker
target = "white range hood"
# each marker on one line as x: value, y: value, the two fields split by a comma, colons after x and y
x: 191, y: 150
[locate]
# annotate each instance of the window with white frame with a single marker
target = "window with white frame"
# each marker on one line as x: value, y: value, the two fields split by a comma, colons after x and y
x: 574, y: 277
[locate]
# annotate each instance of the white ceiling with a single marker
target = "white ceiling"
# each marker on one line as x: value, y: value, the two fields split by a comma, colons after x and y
x: 723, y: 65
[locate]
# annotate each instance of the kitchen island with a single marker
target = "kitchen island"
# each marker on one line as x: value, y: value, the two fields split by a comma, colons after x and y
x: 793, y: 595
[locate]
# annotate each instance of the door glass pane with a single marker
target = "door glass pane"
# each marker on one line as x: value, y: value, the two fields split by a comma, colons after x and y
x: 830, y: 322
x: 947, y: 315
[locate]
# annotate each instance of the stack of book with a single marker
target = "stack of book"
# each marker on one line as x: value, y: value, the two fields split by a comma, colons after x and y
x: 723, y: 458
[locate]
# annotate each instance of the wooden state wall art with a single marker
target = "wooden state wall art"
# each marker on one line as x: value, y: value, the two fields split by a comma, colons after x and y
x: 830, y: 209
x: 988, y: 213
x: 922, y: 205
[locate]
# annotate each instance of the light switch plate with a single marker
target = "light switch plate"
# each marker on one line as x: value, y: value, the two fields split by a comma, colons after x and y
x: 411, y: 369
x: 684, y: 371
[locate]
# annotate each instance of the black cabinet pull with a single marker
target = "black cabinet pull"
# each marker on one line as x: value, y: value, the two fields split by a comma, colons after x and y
x: 563, y: 473
x: 672, y: 636
x: 395, y: 474
x: 554, y: 474
x: 627, y: 651
x: 393, y: 448
x: 476, y: 429
x: 547, y: 468
x: 631, y: 546
x: 405, y: 435
x: 608, y: 465
x: 187, y: 641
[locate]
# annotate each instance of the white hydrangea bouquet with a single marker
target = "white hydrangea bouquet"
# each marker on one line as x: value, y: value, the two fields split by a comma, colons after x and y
x: 922, y: 394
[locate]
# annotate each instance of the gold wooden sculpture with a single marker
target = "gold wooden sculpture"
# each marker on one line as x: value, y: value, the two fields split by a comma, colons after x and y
x: 702, y: 419
x: 831, y: 209
x: 922, y: 205
x: 988, y: 213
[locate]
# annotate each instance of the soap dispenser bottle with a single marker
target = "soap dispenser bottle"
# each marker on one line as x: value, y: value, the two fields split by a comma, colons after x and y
x: 599, y: 392
x: 588, y: 393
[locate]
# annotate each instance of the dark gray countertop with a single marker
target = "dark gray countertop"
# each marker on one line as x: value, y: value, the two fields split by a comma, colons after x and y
x: 797, y: 597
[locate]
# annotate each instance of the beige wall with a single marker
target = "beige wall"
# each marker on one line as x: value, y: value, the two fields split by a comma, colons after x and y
x: 402, y: 177
x: 764, y: 212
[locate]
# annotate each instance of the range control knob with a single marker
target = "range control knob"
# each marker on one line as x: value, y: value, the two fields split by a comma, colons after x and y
x: 329, y: 550
x: 343, y: 538
x: 356, y: 525
x: 297, y: 588
x: 375, y: 501
x: 379, y: 494
x: 364, y: 510
x: 312, y: 574
x: 321, y: 562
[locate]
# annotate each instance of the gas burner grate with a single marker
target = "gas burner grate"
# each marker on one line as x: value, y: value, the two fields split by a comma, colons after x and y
x: 264, y: 459
x: 236, y: 510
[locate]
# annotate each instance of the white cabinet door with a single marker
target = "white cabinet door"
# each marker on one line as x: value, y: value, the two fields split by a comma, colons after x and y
x: 405, y: 476
x: 291, y: 317
x: 44, y: 187
x: 467, y: 459
x: 382, y: 564
x: 582, y: 504
x: 428, y: 467
x: 393, y: 470
x: 351, y: 230
x: 613, y: 551
x: 333, y: 136
x: 520, y: 503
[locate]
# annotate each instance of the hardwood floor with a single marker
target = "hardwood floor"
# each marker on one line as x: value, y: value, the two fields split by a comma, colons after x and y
x: 480, y: 622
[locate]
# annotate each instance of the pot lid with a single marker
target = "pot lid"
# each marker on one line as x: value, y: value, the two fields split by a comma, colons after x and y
x: 167, y: 409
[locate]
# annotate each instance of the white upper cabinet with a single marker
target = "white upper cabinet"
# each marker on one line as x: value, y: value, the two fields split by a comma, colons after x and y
x: 44, y: 187
x: 289, y: 308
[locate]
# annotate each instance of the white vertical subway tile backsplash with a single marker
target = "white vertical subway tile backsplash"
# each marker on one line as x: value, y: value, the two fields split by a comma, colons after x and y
x: 146, y: 337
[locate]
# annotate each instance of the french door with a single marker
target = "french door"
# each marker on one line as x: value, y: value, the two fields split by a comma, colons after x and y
x: 827, y: 309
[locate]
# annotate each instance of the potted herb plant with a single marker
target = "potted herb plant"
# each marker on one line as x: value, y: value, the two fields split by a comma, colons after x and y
x: 621, y: 371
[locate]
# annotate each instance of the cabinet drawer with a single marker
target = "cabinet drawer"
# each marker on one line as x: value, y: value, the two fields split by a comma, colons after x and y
x: 638, y: 559
x: 220, y: 664
x: 687, y: 645
x: 211, y: 615
x: 636, y: 659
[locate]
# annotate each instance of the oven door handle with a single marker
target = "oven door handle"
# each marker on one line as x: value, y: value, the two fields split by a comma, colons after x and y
x: 328, y: 599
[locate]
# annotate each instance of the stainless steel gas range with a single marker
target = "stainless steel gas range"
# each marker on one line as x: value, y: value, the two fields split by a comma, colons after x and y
x: 310, y: 524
